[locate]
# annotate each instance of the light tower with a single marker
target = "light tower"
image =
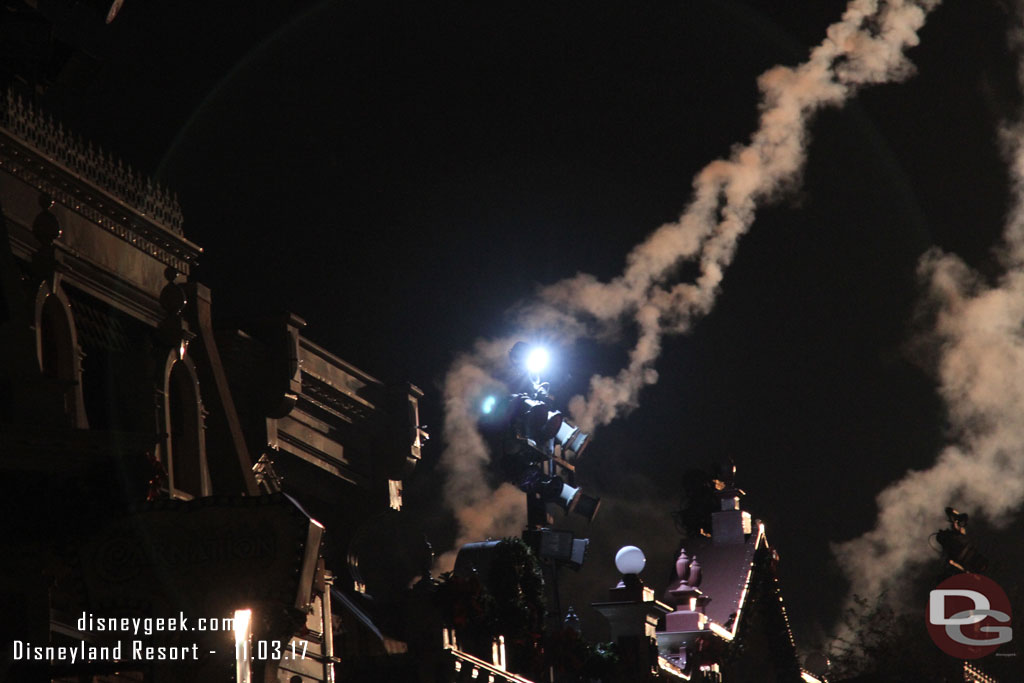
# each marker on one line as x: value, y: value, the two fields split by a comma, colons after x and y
x: 539, y: 444
x: 536, y: 447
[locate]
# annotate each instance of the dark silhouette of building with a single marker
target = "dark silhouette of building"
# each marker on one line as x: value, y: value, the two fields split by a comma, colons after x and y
x: 153, y: 467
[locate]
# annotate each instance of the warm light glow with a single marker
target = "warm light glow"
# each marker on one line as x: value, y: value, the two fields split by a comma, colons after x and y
x: 241, y: 622
x: 498, y: 652
x: 720, y: 632
x: 630, y: 560
x: 243, y: 629
x: 537, y: 360
x: 671, y: 669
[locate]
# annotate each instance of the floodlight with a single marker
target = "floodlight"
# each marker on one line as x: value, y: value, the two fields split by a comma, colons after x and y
x: 537, y: 360
x: 567, y: 495
x: 552, y: 489
x: 571, y: 437
x: 630, y: 560
x: 532, y: 421
x: 559, y: 545
x: 530, y: 358
x: 959, y: 551
x: 542, y: 424
x: 956, y: 518
x: 572, y: 499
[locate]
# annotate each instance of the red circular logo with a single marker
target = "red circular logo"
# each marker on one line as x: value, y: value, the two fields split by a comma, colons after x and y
x: 968, y: 616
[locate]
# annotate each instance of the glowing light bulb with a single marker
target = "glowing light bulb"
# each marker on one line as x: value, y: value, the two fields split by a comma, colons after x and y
x: 537, y: 360
x: 243, y: 631
x: 241, y: 624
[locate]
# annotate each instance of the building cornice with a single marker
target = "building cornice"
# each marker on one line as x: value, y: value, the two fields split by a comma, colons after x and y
x: 108, y: 194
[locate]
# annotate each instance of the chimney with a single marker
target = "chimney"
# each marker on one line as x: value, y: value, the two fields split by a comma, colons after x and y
x: 730, y: 524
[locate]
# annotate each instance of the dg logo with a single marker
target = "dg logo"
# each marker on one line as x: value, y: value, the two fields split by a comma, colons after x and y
x: 969, y: 616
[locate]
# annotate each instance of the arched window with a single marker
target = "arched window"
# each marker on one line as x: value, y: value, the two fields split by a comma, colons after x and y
x: 57, y: 351
x: 56, y: 354
x: 184, y: 443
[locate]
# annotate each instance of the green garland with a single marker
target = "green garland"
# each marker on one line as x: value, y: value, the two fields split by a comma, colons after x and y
x: 509, y: 601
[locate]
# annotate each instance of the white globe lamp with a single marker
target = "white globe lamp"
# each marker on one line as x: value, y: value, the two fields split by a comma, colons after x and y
x: 630, y: 560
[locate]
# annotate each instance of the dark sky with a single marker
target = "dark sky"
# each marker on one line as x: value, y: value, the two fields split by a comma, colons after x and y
x: 401, y: 174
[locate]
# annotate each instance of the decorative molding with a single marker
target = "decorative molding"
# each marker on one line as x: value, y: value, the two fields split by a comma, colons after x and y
x: 41, y: 132
x: 111, y: 195
x: 322, y: 394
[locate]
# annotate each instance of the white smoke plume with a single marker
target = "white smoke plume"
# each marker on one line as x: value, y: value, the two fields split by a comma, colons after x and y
x: 866, y: 46
x: 980, y: 329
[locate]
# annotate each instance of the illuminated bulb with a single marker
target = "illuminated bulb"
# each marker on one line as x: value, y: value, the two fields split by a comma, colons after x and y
x: 630, y: 560
x: 537, y: 360
x: 243, y: 629
x: 241, y: 622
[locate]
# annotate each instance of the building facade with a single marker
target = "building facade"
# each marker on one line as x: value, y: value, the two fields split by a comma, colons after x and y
x: 160, y: 475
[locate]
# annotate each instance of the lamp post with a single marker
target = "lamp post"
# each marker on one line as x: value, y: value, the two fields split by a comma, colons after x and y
x: 633, y: 613
x: 243, y: 631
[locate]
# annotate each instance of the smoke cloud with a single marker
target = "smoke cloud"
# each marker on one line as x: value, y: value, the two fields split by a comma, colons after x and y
x: 866, y: 46
x: 980, y: 332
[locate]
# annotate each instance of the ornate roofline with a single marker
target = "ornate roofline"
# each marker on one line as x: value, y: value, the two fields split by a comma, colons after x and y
x: 85, y: 179
x: 90, y: 163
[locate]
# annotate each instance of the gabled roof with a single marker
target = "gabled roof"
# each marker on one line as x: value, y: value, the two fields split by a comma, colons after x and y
x: 737, y: 578
x: 726, y: 570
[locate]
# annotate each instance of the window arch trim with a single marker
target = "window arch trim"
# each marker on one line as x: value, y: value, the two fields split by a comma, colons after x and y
x: 53, y: 315
x: 181, y: 387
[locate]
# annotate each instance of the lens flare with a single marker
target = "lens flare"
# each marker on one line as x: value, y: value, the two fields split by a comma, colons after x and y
x: 487, y: 407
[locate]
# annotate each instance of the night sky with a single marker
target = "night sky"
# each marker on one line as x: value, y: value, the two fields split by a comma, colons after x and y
x: 402, y: 174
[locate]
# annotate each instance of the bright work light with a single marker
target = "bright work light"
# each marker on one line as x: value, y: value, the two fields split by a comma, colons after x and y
x: 572, y: 438
x: 530, y: 358
x: 537, y: 360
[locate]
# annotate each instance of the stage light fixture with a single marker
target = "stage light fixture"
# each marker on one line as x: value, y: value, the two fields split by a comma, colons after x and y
x: 558, y: 545
x: 531, y: 359
x: 532, y: 421
x: 531, y: 430
x: 572, y: 499
x: 956, y: 518
x: 537, y: 360
x: 571, y: 438
x: 960, y: 552
x: 553, y: 489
